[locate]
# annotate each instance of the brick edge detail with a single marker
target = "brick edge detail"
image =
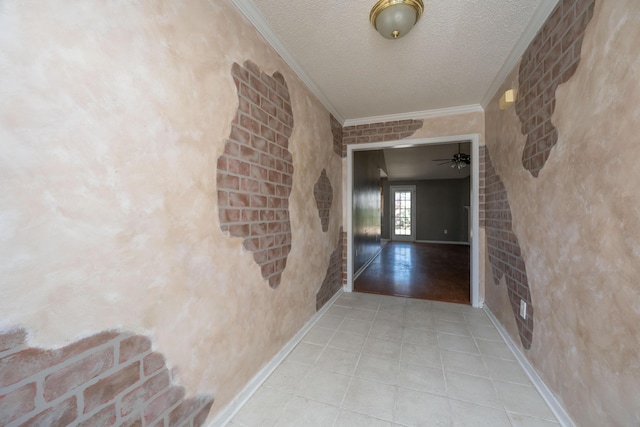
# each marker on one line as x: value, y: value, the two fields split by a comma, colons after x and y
x: 550, y: 60
x: 255, y: 172
x: 333, y: 279
x: 378, y: 132
x: 336, y: 131
x: 323, y: 193
x: 504, y: 250
x: 110, y: 378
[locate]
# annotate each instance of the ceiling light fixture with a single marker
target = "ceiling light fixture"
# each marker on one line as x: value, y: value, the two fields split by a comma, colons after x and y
x: 395, y: 18
x: 458, y: 161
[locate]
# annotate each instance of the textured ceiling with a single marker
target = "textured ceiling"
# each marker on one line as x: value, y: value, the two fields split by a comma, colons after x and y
x: 453, y: 57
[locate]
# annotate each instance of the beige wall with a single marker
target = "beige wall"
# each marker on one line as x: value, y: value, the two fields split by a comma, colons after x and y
x: 455, y: 124
x: 112, y: 116
x: 578, y: 225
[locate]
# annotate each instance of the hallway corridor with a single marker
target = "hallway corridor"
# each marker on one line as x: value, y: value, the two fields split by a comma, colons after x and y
x: 374, y: 360
x: 430, y: 271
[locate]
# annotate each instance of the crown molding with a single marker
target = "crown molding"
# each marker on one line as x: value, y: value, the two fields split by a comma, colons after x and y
x: 254, y: 16
x: 463, y: 109
x: 537, y: 21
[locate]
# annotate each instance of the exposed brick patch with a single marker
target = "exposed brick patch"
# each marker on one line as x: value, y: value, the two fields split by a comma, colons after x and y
x: 255, y: 172
x: 152, y: 363
x: 27, y: 362
x: 62, y: 414
x: 343, y: 239
x: 144, y: 392
x: 336, y: 130
x: 105, y: 389
x: 77, y: 373
x: 504, y: 250
x: 168, y: 399
x: 333, y: 279
x: 378, y: 132
x: 105, y: 417
x: 133, y: 346
x: 481, y: 193
x: 550, y: 60
x: 17, y: 403
x: 323, y: 193
x: 111, y: 378
x: 12, y: 340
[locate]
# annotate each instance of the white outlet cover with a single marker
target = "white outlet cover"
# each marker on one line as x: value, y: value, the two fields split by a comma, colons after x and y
x: 523, y: 309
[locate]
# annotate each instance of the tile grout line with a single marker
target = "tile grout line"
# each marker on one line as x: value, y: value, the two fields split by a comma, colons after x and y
x: 352, y: 376
x: 398, y: 362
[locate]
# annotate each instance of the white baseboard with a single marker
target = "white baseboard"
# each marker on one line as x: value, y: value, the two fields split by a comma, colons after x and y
x: 364, y: 267
x: 228, y: 412
x: 443, y: 242
x: 554, y: 404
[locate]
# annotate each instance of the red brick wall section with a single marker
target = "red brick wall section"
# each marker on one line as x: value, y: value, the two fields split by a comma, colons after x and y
x: 323, y: 193
x: 343, y: 238
x: 550, y: 60
x: 336, y: 130
x: 255, y: 172
x: 108, y: 379
x: 333, y: 279
x: 481, y: 193
x: 378, y: 132
x: 504, y: 251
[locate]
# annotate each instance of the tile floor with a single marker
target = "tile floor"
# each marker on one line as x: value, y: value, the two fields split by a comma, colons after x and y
x: 375, y: 360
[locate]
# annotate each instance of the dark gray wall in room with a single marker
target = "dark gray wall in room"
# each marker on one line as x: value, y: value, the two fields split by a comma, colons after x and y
x: 366, y: 206
x: 440, y: 205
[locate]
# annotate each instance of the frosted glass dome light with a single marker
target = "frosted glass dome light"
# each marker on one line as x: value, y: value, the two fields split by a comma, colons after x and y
x: 395, y: 18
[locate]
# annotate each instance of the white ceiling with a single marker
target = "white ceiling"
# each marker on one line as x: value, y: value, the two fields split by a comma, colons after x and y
x: 421, y: 162
x: 454, y: 58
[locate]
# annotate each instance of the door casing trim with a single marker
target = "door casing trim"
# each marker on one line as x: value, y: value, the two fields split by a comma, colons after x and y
x: 477, y: 300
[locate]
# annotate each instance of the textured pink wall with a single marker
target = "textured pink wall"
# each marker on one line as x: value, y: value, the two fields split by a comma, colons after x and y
x: 112, y: 118
x: 578, y: 225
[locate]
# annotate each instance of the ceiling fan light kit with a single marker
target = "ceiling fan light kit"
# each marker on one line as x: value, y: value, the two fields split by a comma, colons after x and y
x: 458, y: 161
x: 395, y: 18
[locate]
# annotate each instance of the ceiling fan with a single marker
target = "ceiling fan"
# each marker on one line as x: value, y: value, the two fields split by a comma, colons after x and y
x: 458, y: 161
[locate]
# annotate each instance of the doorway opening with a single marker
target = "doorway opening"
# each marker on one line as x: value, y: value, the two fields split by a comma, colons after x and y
x: 403, y: 213
x: 406, y: 215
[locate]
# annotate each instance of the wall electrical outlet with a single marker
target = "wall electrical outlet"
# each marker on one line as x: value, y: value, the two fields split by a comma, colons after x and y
x: 523, y: 309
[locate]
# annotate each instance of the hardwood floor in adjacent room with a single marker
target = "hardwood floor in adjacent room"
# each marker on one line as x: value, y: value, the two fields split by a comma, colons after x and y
x: 427, y: 271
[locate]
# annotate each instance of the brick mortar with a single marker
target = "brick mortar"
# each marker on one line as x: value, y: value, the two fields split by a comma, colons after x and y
x: 505, y: 255
x: 255, y: 172
x: 550, y: 60
x: 378, y: 132
x: 140, y: 392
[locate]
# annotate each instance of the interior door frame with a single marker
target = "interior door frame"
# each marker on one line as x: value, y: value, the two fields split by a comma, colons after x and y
x: 392, y: 214
x: 477, y: 300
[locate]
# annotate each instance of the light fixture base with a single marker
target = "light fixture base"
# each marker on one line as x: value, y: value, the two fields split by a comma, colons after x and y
x: 395, y: 18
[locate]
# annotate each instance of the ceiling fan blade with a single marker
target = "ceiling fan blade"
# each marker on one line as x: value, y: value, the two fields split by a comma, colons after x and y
x: 440, y: 160
x: 444, y: 163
